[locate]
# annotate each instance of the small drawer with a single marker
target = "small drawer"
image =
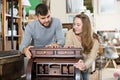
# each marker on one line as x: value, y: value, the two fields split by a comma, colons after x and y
x: 64, y: 69
x: 44, y: 52
x: 71, y: 69
x: 65, y: 52
x: 54, y: 71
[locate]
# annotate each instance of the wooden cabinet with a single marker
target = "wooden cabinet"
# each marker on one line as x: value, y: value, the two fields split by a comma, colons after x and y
x: 11, y: 24
x: 54, y: 64
x: 11, y: 65
x: 67, y: 25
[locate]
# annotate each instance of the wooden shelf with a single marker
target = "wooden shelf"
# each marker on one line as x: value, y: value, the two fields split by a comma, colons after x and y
x: 8, y: 15
x: 8, y: 21
x: 67, y: 25
x: 13, y: 35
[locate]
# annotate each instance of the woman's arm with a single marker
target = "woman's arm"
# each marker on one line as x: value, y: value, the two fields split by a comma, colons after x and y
x: 90, y: 58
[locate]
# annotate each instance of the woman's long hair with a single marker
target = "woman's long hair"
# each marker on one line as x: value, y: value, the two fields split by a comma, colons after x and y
x: 87, y: 34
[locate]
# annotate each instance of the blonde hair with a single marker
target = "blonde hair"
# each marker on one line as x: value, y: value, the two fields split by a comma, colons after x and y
x: 87, y: 34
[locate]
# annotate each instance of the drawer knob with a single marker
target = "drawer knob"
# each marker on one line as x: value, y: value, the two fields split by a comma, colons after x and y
x: 44, y: 52
x: 65, y: 52
x: 54, y: 71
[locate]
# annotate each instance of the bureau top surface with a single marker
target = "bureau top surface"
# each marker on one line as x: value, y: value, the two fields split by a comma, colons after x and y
x: 54, y: 49
x: 56, y: 52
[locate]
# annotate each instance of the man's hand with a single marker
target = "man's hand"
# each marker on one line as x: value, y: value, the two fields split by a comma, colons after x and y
x: 80, y: 65
x: 53, y: 46
x: 27, y: 52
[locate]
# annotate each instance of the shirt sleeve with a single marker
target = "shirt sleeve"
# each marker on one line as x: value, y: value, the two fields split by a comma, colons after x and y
x: 26, y: 38
x: 59, y: 34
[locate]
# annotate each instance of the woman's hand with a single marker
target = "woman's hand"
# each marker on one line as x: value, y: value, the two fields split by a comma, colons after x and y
x: 27, y: 52
x: 80, y: 65
x: 68, y: 46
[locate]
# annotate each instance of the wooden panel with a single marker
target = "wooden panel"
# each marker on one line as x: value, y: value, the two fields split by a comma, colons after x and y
x: 67, y: 25
x: 11, y: 65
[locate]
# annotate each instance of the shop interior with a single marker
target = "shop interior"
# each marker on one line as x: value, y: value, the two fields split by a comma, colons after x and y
x: 105, y: 21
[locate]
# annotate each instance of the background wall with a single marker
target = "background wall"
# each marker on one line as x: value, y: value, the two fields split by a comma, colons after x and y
x: 101, y: 21
x: 107, y: 21
x: 58, y: 9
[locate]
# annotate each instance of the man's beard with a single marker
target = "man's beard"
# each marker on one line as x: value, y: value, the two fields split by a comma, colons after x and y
x: 45, y: 25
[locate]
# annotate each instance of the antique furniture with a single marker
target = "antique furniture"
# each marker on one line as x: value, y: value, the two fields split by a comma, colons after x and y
x: 110, y: 52
x: 11, y: 65
x: 67, y: 25
x: 54, y: 64
x: 11, y: 23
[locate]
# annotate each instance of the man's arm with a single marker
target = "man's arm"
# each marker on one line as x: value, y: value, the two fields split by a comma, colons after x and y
x: 26, y: 41
x: 59, y: 34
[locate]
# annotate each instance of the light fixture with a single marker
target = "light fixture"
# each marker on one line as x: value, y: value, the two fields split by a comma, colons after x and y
x: 25, y: 3
x: 83, y: 8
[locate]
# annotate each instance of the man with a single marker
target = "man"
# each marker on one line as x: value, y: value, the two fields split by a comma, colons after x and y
x: 46, y: 31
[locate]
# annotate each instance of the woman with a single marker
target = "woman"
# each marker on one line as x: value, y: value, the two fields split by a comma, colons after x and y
x: 82, y: 36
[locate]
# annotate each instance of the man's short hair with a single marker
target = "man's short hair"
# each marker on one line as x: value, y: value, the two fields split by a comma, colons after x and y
x: 41, y: 9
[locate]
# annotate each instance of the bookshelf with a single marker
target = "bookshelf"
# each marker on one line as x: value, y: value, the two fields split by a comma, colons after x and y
x: 11, y: 24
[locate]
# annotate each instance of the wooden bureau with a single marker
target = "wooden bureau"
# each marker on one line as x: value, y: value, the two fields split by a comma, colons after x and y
x: 54, y: 64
